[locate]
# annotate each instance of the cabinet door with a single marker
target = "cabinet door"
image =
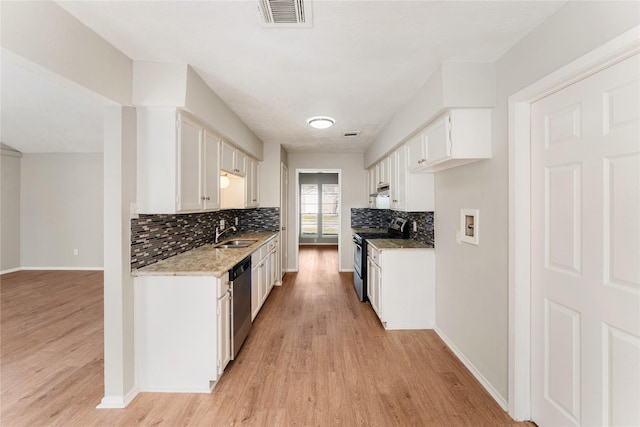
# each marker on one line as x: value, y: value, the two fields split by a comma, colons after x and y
x: 373, y: 285
x: 224, y: 332
x: 251, y: 183
x: 399, y: 179
x: 264, y: 280
x: 241, y: 163
x: 438, y: 139
x: 371, y: 186
x: 256, y: 277
x: 211, y: 178
x: 385, y: 170
x: 228, y: 158
x: 416, y: 152
x: 190, y: 158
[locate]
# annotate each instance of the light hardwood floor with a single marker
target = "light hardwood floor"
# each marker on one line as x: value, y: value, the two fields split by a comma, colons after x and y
x: 316, y: 356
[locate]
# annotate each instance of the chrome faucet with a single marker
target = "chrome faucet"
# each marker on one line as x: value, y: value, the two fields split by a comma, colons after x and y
x: 220, y: 233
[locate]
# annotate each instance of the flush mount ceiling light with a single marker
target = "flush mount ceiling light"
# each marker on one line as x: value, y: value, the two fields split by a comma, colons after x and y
x: 321, y: 122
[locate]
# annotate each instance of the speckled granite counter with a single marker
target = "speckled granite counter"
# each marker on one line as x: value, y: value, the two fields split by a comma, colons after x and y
x: 383, y: 244
x: 206, y: 260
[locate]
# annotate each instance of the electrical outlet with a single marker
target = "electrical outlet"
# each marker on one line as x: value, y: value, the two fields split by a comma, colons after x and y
x: 415, y: 226
x: 236, y: 220
x: 75, y: 252
x: 222, y: 223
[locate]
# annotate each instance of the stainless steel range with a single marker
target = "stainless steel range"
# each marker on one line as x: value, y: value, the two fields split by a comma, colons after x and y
x: 398, y: 229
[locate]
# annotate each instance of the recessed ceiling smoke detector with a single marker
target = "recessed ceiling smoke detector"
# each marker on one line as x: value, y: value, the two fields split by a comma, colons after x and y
x: 285, y: 13
x: 352, y: 134
x: 321, y: 122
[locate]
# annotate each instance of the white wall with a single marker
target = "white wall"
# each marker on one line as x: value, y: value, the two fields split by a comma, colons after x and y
x: 47, y: 35
x: 10, y: 210
x: 472, y: 281
x: 61, y: 205
x: 353, y: 195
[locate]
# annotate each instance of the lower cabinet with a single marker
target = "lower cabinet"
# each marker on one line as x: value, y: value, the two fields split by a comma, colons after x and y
x: 401, y: 287
x: 182, y: 332
x: 224, y: 325
x: 264, y: 272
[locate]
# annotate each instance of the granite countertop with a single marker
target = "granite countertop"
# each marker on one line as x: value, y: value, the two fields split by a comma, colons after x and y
x: 382, y: 244
x: 205, y: 260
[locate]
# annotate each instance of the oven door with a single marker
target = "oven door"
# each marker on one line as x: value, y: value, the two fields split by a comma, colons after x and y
x: 359, y: 271
x: 357, y: 256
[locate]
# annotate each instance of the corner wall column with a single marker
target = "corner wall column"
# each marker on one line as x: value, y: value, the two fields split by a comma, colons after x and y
x: 119, y: 194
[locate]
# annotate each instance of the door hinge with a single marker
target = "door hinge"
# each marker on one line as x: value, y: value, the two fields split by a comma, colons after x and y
x: 177, y: 123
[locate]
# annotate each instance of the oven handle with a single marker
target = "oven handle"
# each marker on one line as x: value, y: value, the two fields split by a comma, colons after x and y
x: 356, y: 242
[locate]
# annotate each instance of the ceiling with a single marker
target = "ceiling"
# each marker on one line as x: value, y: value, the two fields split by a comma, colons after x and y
x: 358, y: 63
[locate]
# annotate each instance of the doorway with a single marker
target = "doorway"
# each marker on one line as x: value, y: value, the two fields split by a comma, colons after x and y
x: 317, y: 208
x: 592, y: 332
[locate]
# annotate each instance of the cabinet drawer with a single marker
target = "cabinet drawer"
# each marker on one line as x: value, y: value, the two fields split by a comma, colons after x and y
x: 273, y: 243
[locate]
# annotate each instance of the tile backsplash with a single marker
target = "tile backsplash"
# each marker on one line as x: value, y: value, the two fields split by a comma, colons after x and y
x: 379, y: 218
x: 157, y: 237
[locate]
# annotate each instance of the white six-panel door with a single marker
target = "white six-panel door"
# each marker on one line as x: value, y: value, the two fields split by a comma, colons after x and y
x: 585, y: 266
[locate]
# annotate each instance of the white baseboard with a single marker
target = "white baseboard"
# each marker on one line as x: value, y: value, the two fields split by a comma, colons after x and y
x: 346, y: 270
x: 63, y: 268
x: 118, y: 402
x: 10, y: 270
x: 474, y: 371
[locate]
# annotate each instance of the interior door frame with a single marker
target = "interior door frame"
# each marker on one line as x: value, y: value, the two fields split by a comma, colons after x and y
x: 297, y: 193
x: 614, y: 51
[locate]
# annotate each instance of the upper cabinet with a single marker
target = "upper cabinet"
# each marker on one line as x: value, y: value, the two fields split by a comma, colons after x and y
x: 198, y: 177
x: 179, y: 163
x: 233, y: 160
x: 409, y: 192
x: 251, y: 183
x: 456, y: 138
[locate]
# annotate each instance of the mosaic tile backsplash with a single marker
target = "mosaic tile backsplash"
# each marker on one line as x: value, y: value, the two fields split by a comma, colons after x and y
x: 379, y: 218
x: 158, y: 237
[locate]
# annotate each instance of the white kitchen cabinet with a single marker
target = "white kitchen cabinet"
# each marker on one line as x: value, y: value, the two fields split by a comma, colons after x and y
x: 177, y: 159
x: 263, y: 274
x: 182, y: 340
x: 383, y: 171
x: 224, y: 325
x: 373, y: 281
x: 401, y: 286
x: 233, y: 160
x: 211, y: 174
x: 372, y: 187
x: 416, y: 152
x: 409, y: 192
x: 251, y: 183
x: 458, y: 137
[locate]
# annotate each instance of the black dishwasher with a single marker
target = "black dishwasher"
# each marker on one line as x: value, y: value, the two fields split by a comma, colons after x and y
x: 240, y: 279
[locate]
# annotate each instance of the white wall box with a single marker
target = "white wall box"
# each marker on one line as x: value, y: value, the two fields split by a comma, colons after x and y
x: 182, y: 332
x: 458, y: 137
x: 400, y: 298
x: 470, y: 226
x: 233, y: 160
x: 178, y: 163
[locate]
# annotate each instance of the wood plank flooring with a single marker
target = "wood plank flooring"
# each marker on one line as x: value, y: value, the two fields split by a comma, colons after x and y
x: 316, y: 356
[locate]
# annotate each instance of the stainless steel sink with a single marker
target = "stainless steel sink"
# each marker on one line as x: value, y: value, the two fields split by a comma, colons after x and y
x: 241, y: 243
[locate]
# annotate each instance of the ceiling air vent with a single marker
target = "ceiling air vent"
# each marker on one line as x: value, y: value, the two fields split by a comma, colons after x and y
x: 352, y: 134
x: 285, y: 13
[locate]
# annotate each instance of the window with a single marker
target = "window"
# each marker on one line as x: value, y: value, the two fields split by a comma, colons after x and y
x: 329, y: 209
x: 316, y: 199
x: 309, y: 209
